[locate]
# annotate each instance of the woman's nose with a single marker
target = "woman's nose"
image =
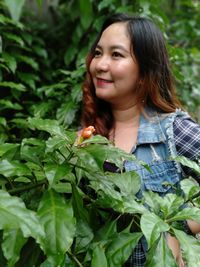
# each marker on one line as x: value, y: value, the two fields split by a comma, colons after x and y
x: 103, y: 63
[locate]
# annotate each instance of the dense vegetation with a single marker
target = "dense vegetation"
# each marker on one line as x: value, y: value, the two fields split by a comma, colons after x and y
x: 55, y: 199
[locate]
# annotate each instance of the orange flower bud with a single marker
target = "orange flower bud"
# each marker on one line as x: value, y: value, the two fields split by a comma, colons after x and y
x: 87, y: 132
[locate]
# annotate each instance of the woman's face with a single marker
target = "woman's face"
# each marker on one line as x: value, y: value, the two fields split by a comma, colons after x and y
x: 114, y: 69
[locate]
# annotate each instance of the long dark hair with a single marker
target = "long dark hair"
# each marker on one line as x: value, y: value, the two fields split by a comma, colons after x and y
x: 155, y: 87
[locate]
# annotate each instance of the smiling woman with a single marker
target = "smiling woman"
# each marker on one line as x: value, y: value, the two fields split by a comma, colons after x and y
x: 129, y: 97
x: 114, y: 69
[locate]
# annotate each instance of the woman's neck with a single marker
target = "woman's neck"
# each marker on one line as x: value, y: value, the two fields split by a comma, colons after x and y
x: 125, y: 128
x: 125, y: 114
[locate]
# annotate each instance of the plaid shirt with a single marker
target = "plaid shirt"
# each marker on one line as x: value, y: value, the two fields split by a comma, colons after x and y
x: 187, y: 141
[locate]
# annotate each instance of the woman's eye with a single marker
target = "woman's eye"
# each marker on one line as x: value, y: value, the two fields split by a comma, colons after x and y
x: 117, y: 54
x: 97, y: 53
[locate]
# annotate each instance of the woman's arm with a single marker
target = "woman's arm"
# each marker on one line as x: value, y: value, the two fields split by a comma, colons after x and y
x: 194, y: 226
x: 174, y: 245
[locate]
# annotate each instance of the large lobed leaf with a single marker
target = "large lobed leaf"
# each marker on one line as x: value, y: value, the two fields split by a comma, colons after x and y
x: 13, y: 241
x: 121, y: 248
x: 14, y: 215
x: 98, y: 257
x: 160, y: 255
x: 50, y: 126
x: 13, y: 168
x: 152, y: 226
x: 190, y: 246
x: 56, y: 215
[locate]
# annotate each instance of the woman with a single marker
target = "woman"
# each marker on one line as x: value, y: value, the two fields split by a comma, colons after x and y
x: 129, y: 97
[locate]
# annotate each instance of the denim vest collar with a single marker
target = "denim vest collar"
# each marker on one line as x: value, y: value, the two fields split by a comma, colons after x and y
x: 150, y: 130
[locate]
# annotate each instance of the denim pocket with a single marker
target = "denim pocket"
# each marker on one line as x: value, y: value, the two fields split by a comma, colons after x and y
x: 162, y: 178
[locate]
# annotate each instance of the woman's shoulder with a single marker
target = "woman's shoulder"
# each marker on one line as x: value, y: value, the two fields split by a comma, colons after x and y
x: 187, y: 141
x: 187, y: 137
x: 186, y: 126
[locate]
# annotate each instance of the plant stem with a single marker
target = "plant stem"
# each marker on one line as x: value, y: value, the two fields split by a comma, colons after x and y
x: 68, y: 157
x: 193, y: 197
x: 28, y: 187
x: 75, y: 259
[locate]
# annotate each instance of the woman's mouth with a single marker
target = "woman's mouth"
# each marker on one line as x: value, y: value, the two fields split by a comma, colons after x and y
x: 102, y: 82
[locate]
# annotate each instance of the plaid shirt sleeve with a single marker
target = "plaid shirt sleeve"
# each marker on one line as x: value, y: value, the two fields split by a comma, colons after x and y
x: 187, y: 141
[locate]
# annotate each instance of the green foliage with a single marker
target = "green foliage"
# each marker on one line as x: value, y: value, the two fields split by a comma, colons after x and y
x: 79, y: 206
x: 58, y: 207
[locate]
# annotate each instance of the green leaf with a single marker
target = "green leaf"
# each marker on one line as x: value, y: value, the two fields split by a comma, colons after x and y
x: 121, y: 248
x: 128, y: 183
x: 56, y: 215
x: 84, y: 236
x: 107, y: 231
x: 32, y: 150
x: 13, y: 37
x: 99, y: 257
x: 118, y: 156
x: 190, y: 188
x: 192, y: 213
x: 13, y: 241
x: 40, y: 110
x: 189, y: 163
x: 10, y: 61
x: 28, y: 60
x: 105, y: 4
x: 92, y: 156
x: 28, y: 78
x: 56, y: 260
x: 66, y: 112
x: 55, y: 173
x: 153, y: 200
x: 86, y: 10
x: 50, y: 126
x: 190, y: 246
x: 170, y: 204
x: 79, y: 211
x: 96, y: 139
x: 3, y: 121
x: 56, y: 143
x: 27, y: 37
x: 159, y: 254
x: 76, y: 93
x: 14, y: 215
x: 95, y: 154
x: 4, y: 19
x: 40, y: 51
x: 8, y: 150
x: 15, y: 8
x: 110, y: 197
x: 17, y: 86
x: 13, y: 168
x: 7, y: 104
x: 152, y: 226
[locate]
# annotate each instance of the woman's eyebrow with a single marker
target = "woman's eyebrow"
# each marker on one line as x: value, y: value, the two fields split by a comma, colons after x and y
x: 113, y: 47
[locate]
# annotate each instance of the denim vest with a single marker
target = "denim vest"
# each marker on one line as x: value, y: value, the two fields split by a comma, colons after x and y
x: 155, y: 146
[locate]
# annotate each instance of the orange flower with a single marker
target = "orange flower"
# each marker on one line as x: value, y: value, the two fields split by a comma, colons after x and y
x: 87, y: 132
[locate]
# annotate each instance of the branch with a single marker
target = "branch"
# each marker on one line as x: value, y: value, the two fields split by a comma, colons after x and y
x: 75, y: 259
x: 28, y: 187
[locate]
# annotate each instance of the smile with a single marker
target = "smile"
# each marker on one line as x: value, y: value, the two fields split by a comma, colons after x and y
x: 103, y: 82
